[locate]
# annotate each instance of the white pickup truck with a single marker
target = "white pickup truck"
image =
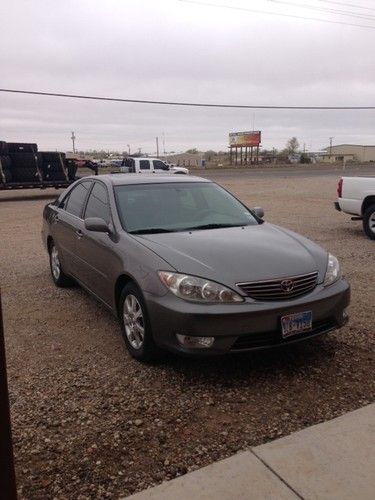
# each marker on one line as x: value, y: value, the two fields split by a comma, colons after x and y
x: 356, y: 196
x: 149, y: 166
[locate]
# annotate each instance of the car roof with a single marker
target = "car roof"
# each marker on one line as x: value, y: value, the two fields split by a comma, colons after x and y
x: 124, y: 179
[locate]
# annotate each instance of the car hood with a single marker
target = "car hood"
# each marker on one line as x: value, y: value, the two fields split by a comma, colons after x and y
x: 239, y: 254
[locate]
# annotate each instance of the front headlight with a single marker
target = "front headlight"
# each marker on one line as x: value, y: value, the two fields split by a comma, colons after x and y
x: 197, y: 289
x: 333, y: 272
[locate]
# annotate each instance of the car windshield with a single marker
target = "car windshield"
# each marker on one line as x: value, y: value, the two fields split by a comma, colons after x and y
x: 173, y: 207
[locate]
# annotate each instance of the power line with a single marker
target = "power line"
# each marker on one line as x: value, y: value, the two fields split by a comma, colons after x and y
x: 257, y: 11
x: 358, y: 15
x: 176, y: 103
x: 344, y: 4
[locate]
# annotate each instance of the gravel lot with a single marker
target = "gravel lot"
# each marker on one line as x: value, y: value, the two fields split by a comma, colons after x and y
x: 89, y: 422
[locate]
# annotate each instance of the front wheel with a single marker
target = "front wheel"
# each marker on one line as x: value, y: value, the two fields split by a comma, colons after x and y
x: 369, y: 222
x: 135, y: 325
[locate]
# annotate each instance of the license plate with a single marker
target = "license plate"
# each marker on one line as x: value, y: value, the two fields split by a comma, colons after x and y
x: 296, y: 323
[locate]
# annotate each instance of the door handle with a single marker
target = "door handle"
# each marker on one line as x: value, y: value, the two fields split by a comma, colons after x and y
x: 79, y: 234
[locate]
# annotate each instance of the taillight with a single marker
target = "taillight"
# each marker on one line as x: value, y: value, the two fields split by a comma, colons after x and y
x: 339, y: 188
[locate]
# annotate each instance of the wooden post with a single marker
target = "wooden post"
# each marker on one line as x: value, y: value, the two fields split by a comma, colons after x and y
x: 236, y: 156
x: 230, y: 155
x: 7, y: 475
x: 257, y: 154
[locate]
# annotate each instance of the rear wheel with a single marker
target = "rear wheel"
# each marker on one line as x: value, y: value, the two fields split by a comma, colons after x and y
x: 369, y: 222
x: 136, y: 328
x: 59, y: 277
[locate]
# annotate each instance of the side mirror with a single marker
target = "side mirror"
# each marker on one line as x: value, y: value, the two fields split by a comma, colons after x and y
x: 259, y: 212
x: 96, y: 224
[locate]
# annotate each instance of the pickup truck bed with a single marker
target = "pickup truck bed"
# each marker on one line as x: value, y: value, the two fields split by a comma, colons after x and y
x: 356, y: 196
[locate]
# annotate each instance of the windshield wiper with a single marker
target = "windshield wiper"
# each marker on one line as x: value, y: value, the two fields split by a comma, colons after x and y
x: 213, y: 226
x: 151, y: 230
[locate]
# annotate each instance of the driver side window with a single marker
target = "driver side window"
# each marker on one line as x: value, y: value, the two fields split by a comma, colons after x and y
x: 98, y: 205
x: 75, y: 200
x: 159, y: 165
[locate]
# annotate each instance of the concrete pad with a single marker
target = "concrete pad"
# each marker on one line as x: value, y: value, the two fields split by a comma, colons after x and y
x: 333, y: 460
x: 241, y: 477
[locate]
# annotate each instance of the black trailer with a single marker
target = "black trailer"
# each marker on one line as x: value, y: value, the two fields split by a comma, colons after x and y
x: 23, y: 167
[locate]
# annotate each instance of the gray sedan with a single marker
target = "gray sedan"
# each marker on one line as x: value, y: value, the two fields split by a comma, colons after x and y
x: 186, y: 267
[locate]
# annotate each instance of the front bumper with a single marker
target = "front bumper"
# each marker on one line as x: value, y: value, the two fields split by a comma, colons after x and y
x: 250, y: 325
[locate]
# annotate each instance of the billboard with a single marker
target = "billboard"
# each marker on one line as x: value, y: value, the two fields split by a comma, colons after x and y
x: 243, y: 139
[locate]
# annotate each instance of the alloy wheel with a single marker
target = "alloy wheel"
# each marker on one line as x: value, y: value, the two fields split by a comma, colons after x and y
x: 55, y: 263
x: 371, y: 222
x: 133, y: 321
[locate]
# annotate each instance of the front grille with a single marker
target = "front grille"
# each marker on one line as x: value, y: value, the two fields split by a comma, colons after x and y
x: 274, y: 338
x: 281, y: 288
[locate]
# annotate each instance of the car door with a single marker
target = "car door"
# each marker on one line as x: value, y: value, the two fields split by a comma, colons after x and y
x: 68, y: 225
x: 95, y: 250
x: 144, y: 166
x: 160, y: 167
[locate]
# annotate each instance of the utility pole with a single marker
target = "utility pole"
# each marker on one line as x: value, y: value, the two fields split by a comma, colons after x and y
x: 157, y: 147
x: 330, y: 147
x: 7, y: 474
x: 73, y: 141
x: 128, y: 149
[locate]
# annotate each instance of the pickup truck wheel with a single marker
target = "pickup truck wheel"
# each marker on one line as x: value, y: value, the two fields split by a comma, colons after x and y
x: 369, y: 222
x: 59, y: 277
x: 135, y: 325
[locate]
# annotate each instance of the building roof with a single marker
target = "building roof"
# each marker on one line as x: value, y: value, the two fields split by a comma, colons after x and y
x: 352, y: 145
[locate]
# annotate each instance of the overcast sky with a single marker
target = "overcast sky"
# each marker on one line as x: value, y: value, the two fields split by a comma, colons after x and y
x: 180, y: 51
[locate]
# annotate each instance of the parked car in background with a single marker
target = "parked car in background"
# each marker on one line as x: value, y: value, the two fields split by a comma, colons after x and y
x: 188, y: 268
x: 356, y: 196
x: 149, y: 165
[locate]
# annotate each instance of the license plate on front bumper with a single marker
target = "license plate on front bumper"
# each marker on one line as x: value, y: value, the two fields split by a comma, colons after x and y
x: 296, y: 323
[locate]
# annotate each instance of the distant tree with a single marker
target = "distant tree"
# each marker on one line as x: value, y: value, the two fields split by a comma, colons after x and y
x: 208, y: 155
x: 192, y: 151
x: 292, y: 145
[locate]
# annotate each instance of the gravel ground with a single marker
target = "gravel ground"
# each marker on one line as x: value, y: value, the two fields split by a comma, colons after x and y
x: 89, y: 422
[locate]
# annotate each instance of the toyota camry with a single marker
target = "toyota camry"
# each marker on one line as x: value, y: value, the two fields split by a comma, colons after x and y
x: 187, y: 267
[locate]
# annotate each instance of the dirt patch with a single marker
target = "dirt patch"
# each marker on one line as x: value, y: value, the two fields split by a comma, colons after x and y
x: 89, y: 422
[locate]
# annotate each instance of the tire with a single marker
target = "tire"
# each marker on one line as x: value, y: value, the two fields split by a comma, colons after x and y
x: 369, y: 222
x: 23, y: 160
x: 22, y: 147
x: 58, y: 276
x: 5, y: 164
x: 25, y: 175
x: 3, y: 148
x: 50, y: 156
x: 136, y: 328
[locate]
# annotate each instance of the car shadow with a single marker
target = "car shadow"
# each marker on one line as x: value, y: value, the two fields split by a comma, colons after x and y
x: 232, y: 369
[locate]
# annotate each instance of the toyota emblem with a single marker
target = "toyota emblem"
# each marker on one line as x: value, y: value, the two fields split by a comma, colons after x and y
x: 287, y: 286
